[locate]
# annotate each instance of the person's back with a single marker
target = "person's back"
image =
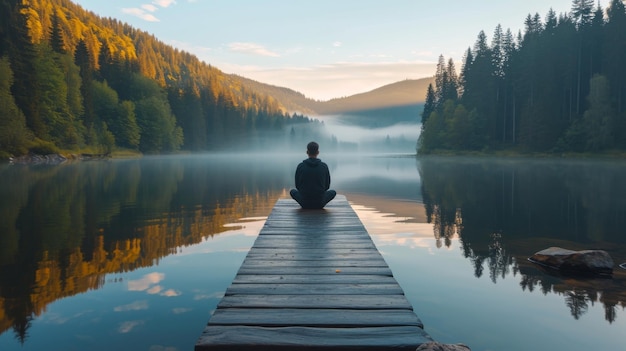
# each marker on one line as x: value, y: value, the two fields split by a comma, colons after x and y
x: 312, y: 181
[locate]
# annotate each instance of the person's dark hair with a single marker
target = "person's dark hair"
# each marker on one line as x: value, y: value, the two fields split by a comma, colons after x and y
x: 312, y: 148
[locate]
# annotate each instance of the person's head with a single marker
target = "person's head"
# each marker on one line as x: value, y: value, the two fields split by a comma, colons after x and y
x: 312, y: 149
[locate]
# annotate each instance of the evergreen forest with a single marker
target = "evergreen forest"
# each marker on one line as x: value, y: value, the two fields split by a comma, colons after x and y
x: 558, y: 87
x: 73, y: 81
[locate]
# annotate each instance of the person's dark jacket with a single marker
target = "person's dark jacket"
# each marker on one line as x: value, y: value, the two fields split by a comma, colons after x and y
x: 312, y: 178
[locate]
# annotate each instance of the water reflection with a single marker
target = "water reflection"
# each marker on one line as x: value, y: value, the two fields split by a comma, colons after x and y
x: 504, y: 211
x: 63, y: 228
x: 132, y: 232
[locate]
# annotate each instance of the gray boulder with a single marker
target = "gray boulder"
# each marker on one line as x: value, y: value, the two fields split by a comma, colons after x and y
x: 596, y: 262
x: 435, y: 346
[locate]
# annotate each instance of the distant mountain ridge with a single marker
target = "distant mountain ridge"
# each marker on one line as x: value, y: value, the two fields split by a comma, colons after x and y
x: 406, y: 93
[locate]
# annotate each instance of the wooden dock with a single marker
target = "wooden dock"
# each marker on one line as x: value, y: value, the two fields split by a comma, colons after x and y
x: 313, y: 280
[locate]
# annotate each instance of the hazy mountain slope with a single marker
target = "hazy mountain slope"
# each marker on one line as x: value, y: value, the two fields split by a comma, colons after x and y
x: 290, y: 99
x: 410, y: 92
x: 404, y: 93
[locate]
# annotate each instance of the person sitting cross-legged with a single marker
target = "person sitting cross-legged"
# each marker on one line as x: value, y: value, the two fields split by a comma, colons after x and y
x: 312, y: 181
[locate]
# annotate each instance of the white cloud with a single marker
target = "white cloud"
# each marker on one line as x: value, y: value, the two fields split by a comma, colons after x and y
x: 164, y: 3
x: 145, y: 11
x: 337, y: 44
x: 141, y: 13
x: 181, y: 310
x: 149, y: 7
x: 252, y: 48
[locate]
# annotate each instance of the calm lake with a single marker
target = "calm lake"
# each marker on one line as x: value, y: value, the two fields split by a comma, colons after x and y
x: 135, y: 254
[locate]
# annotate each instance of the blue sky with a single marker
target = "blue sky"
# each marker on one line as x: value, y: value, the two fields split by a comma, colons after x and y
x: 324, y: 48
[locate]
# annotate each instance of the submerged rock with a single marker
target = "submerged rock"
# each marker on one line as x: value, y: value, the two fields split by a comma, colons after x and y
x: 435, y: 346
x: 595, y: 262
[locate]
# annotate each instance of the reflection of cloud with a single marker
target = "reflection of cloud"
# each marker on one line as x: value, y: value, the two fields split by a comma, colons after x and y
x: 389, y: 229
x: 134, y: 306
x: 154, y: 290
x: 145, y: 282
x: 217, y: 295
x: 252, y: 48
x: 56, y: 318
x: 181, y: 310
x: 150, y: 284
x: 171, y: 293
x: 126, y: 327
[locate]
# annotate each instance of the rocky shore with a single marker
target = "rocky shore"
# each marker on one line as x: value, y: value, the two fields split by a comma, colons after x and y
x: 55, y: 159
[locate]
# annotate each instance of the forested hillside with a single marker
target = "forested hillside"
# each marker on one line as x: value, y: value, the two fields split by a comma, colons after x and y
x: 72, y: 80
x: 559, y: 86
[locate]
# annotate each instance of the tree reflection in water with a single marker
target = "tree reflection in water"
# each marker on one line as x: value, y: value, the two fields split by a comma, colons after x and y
x: 64, y: 228
x: 503, y: 211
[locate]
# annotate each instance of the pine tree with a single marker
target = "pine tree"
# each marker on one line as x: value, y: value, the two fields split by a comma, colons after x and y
x: 582, y: 12
x: 6, y: 10
x: 441, y: 80
x: 83, y: 60
x: 429, y: 106
x: 14, y: 136
x: 56, y: 35
x: 26, y: 88
x: 451, y: 88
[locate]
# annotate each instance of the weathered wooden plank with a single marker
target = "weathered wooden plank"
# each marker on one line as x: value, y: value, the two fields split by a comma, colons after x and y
x: 323, y: 255
x: 262, y: 251
x: 315, y: 270
x: 316, y: 232
x: 290, y: 245
x: 337, y: 263
x: 312, y: 279
x: 308, y: 245
x: 363, y: 302
x: 316, y: 239
x: 245, y: 338
x: 314, y: 289
x: 335, y: 318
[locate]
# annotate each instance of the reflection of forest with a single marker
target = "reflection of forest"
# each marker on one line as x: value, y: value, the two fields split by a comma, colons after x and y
x: 504, y: 211
x: 63, y: 228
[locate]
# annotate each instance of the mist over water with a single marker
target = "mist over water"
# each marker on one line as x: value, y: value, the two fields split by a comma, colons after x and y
x: 350, y: 134
x: 337, y: 134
